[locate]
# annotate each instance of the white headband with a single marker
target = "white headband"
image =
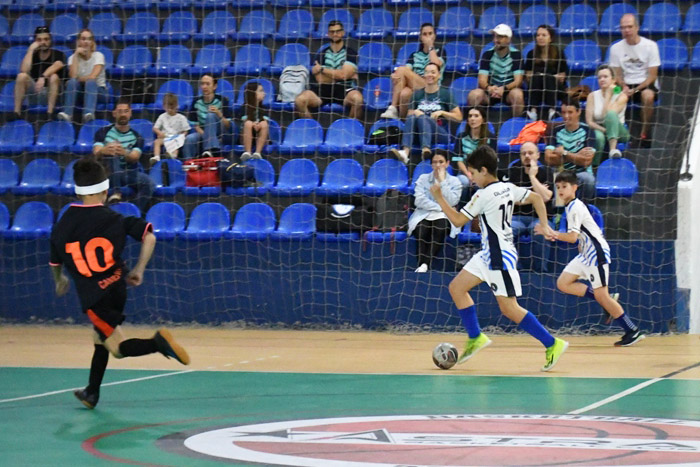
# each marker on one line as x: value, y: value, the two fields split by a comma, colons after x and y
x: 92, y: 189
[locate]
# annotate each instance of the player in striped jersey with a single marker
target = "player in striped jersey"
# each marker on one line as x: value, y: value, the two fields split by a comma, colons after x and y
x: 496, y: 263
x: 593, y: 260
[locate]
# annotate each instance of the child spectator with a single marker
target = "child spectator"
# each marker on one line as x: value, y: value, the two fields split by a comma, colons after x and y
x: 169, y: 123
x: 254, y: 122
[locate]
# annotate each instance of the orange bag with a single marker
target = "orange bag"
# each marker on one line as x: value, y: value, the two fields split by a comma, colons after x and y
x: 531, y: 133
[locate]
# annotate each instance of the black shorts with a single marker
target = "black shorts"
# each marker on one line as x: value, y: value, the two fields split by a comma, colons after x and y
x: 331, y: 93
x: 636, y: 98
x: 108, y: 313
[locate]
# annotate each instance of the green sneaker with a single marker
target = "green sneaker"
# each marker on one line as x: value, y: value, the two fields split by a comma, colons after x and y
x: 554, y: 352
x: 473, y: 346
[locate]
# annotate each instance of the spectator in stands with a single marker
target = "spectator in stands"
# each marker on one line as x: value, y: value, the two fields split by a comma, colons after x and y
x: 408, y: 78
x: 545, y: 75
x: 605, y: 114
x: 476, y: 134
x: 40, y: 73
x: 571, y: 148
x: 254, y: 122
x: 636, y: 62
x: 86, y: 70
x: 500, y: 74
x: 212, y: 112
x: 170, y: 123
x: 431, y: 108
x: 119, y: 148
x: 335, y: 71
x: 528, y: 172
x: 428, y: 221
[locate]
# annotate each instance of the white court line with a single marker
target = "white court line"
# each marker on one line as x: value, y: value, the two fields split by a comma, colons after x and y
x: 61, y: 391
x: 615, y: 397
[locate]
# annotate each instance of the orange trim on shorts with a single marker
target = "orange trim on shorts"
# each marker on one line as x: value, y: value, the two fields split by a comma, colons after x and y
x: 105, y: 328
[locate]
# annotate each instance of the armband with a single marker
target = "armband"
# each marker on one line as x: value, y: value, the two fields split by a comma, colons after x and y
x: 550, y: 147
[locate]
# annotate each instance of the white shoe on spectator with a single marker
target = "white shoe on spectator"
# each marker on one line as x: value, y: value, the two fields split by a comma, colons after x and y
x: 390, y: 112
x: 207, y: 154
x: 615, y: 154
x: 246, y: 156
x: 552, y: 114
x: 400, y: 154
x: 531, y: 114
x: 88, y: 117
x: 116, y: 197
x: 422, y: 268
x: 256, y: 155
x: 64, y: 116
x: 154, y: 159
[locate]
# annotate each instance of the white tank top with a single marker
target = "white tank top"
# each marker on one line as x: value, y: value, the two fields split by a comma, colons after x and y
x: 598, y: 115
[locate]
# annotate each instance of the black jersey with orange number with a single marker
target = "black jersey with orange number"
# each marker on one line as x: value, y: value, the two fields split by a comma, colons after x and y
x: 88, y: 241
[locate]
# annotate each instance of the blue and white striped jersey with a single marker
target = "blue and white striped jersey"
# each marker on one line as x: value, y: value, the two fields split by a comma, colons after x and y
x: 592, y: 246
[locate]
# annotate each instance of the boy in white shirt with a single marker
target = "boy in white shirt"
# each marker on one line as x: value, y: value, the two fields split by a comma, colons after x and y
x: 169, y: 124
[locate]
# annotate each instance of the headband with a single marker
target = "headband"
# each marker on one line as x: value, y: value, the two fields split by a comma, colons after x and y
x: 92, y: 189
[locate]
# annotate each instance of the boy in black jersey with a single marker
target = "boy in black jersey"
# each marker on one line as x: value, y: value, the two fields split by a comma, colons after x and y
x: 88, y: 240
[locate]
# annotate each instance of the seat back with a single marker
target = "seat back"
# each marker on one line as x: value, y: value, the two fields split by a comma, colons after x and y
x: 661, y: 18
x: 340, y: 14
x: 126, y: 209
x: 181, y: 88
x: 25, y: 25
x: 253, y: 54
x: 610, y: 19
x: 298, y: 218
x: 218, y: 22
x: 388, y: 173
x: 376, y: 22
x: 617, y: 177
x: 105, y: 26
x: 166, y: 216
x: 673, y: 54
x: 345, y: 132
x: 175, y: 172
x: 144, y: 128
x: 460, y: 57
x: 42, y: 173
x: 374, y: 99
x: 411, y: 20
x: 299, y: 173
x: 213, y: 56
x: 9, y: 174
x: 493, y: 16
x: 12, y: 58
x: 173, y: 58
x: 140, y: 23
x: 533, y: 16
x: 296, y: 24
x: 209, y: 217
x: 134, y: 58
x: 17, y: 132
x: 582, y: 55
x: 86, y: 135
x: 4, y: 217
x: 692, y: 19
x: 254, y: 217
x: 179, y: 22
x: 456, y: 20
x: 292, y: 54
x: 267, y: 86
x: 66, y: 27
x: 343, y: 173
x: 374, y: 57
x: 461, y: 87
x: 303, y: 132
x: 258, y: 21
x: 33, y: 218
x: 578, y: 19
x: 55, y: 135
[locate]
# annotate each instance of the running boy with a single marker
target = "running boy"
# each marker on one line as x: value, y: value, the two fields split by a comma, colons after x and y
x: 593, y: 260
x: 88, y: 240
x: 496, y: 263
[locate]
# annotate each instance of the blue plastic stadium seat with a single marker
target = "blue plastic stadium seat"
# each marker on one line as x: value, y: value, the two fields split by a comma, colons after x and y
x: 492, y: 17
x: 661, y: 18
x: 673, y: 53
x: 23, y: 29
x: 617, y: 177
x: 288, y: 3
x: 181, y: 88
x: 456, y: 22
x: 695, y: 58
x: 460, y: 57
x: 9, y: 175
x: 342, y: 177
x: 692, y: 19
x: 339, y: 14
x: 383, y: 175
x: 365, y: 3
x: 86, y: 136
x: 64, y: 5
x: 178, y: 27
x: 212, y: 58
x: 290, y: 54
x: 24, y: 6
x: 264, y: 175
x: 4, y: 218
x: 208, y: 221
x: 109, y: 60
x: 298, y: 177
x: 343, y: 138
x: 11, y: 60
x: 374, y: 57
x: 171, y: 62
x: 303, y: 136
x: 144, y: 128
x: 64, y: 28
x: 595, y: 213
x: 66, y: 187
x: 34, y: 219
x: 374, y: 24
x: 7, y: 97
x: 137, y: 5
x: 327, y: 3
x: 257, y: 25
x: 578, y: 20
x: 175, y: 175
x: 16, y: 137
x: 410, y: 22
x: 373, y: 149
x: 126, y: 209
x: 610, y: 19
x: 532, y: 17
x: 423, y: 167
x: 461, y: 87
x: 253, y: 221
x: 252, y: 60
x: 297, y: 222
x: 509, y: 130
x: 377, y: 93
x: 246, y: 3
x: 467, y: 236
x: 99, y: 5
x: 105, y: 26
x: 38, y: 177
x: 139, y: 27
x: 167, y: 218
x: 132, y: 61
x: 54, y: 137
x: 217, y: 26
x: 295, y: 25
x: 405, y: 52
x: 582, y: 56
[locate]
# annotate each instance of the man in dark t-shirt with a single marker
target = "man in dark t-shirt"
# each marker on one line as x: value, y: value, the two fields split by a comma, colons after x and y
x: 40, y: 73
x: 88, y: 241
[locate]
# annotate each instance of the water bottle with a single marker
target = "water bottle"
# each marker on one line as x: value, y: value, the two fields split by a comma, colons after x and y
x: 617, y: 89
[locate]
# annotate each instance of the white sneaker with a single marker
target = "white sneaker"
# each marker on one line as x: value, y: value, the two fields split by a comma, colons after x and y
x: 64, y: 116
x: 256, y: 155
x: 422, y: 268
x: 390, y: 112
x: 88, y: 117
x: 615, y: 154
x: 531, y: 114
x: 207, y: 154
x: 400, y: 154
x: 552, y: 114
x: 154, y: 159
x: 246, y: 156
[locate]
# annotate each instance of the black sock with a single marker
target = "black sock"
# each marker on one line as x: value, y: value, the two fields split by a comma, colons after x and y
x: 137, y: 347
x: 97, y: 368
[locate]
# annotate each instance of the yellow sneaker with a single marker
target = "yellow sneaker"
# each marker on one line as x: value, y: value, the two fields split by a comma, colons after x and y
x: 473, y: 346
x: 554, y: 352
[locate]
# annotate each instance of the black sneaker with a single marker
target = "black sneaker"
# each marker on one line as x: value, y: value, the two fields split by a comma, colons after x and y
x: 630, y: 338
x: 169, y: 348
x: 89, y: 400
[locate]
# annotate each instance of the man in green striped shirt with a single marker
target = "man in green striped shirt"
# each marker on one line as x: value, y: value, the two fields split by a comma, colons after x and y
x: 212, y: 112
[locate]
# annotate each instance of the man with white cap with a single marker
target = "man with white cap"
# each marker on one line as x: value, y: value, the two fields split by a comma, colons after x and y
x: 500, y: 74
x: 88, y: 241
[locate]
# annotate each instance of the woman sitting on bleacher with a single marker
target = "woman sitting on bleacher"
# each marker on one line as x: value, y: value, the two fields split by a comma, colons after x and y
x: 475, y: 134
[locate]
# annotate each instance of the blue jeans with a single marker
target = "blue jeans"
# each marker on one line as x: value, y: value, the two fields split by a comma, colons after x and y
x: 427, y: 130
x: 133, y: 177
x: 92, y: 94
x: 540, y: 245
x: 210, y: 139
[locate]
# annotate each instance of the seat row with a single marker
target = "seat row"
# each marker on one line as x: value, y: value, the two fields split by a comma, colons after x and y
x: 260, y: 24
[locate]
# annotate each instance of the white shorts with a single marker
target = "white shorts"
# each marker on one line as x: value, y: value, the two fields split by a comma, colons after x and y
x: 503, y: 283
x: 598, y: 276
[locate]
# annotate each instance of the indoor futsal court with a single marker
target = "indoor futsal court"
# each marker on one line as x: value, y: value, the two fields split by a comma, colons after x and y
x: 314, y: 398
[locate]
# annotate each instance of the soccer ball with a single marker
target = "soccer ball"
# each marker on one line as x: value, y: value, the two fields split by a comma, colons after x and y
x: 445, y: 355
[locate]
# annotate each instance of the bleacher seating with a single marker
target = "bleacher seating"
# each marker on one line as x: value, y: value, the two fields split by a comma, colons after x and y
x: 341, y: 177
x: 253, y: 221
x: 38, y: 177
x: 54, y: 137
x: 175, y: 177
x: 343, y: 137
x: 492, y: 17
x: 216, y: 26
x: 532, y: 17
x: 303, y: 137
x: 661, y: 18
x: 16, y: 137
x: 212, y: 58
x: 167, y: 218
x: 208, y: 221
x: 252, y: 60
x: 383, y: 175
x: 66, y: 186
x: 64, y: 28
x: 9, y: 175
x: 579, y: 19
x: 139, y: 27
x: 295, y: 25
x: 126, y: 209
x: 456, y: 22
x: 33, y: 219
x: 617, y: 177
x: 171, y: 62
x: 340, y: 14
x: 297, y: 177
x: 610, y: 19
x: 297, y: 222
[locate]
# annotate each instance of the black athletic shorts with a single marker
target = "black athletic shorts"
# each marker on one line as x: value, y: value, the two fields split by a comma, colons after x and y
x: 108, y: 313
x: 637, y: 96
x: 331, y: 93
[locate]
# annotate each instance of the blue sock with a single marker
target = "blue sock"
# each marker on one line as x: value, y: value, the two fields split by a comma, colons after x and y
x: 532, y: 326
x: 589, y: 293
x: 470, y: 321
x: 625, y: 323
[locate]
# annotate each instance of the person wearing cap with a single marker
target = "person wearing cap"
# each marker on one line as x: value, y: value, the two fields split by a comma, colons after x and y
x: 500, y: 73
x: 40, y: 73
